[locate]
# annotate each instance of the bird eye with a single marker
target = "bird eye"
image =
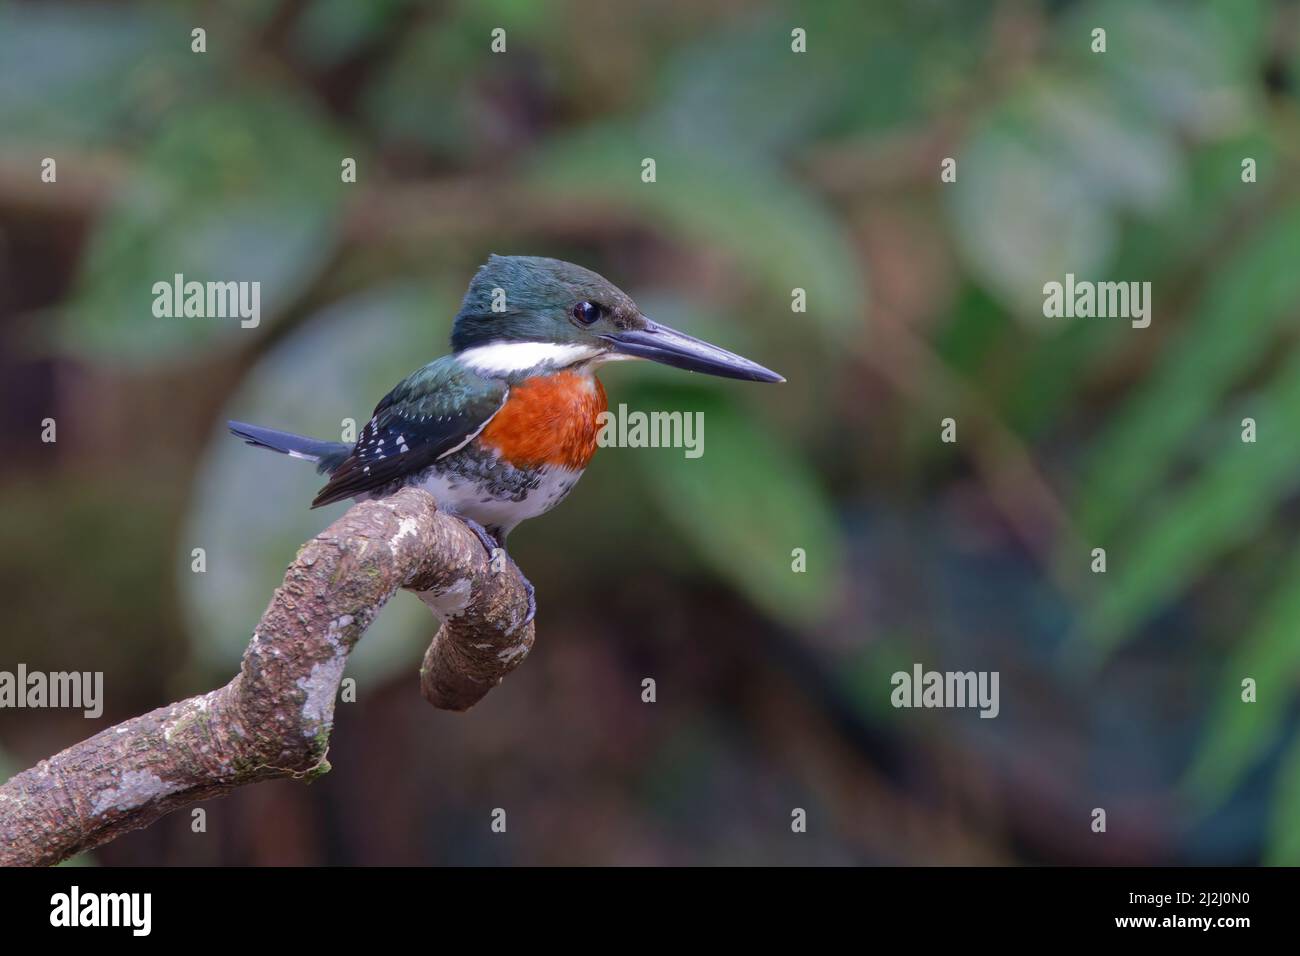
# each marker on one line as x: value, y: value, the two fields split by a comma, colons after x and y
x: 588, y: 312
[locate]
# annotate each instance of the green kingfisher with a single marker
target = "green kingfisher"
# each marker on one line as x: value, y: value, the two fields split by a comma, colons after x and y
x: 501, y: 429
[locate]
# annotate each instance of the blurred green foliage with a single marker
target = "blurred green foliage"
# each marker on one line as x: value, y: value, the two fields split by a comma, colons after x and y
x: 774, y: 171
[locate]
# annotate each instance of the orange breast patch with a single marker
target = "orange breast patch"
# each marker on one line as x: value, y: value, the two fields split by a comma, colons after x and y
x: 548, y: 420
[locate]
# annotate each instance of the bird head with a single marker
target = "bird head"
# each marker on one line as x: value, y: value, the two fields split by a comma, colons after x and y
x: 526, y: 312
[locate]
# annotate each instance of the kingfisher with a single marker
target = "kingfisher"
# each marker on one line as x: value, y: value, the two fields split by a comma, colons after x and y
x: 501, y: 429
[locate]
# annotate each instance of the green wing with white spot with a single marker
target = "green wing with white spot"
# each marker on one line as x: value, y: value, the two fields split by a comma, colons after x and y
x: 433, y: 411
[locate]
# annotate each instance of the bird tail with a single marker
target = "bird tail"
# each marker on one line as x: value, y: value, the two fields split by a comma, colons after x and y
x: 327, y: 455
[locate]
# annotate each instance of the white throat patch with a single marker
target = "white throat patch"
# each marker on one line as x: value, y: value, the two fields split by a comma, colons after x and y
x: 508, y: 358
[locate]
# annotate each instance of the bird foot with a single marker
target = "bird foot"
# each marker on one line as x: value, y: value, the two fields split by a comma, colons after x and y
x: 532, y: 594
x: 490, y: 545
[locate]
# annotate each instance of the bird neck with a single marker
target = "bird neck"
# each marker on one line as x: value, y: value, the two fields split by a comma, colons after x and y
x: 517, y: 361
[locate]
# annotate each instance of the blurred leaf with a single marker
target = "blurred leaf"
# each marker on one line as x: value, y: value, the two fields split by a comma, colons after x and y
x: 1053, y: 367
x: 742, y: 90
x: 89, y: 72
x: 871, y: 666
x: 1041, y: 185
x: 1222, y: 506
x: 1282, y: 847
x: 251, y: 507
x: 237, y: 190
x: 778, y: 233
x: 329, y: 31
x: 1187, y: 231
x: 976, y: 326
x: 1239, y: 733
x: 876, y: 76
x: 1188, y: 65
x: 1020, y: 217
x: 423, y: 93
x: 744, y: 505
x: 1120, y: 159
x: 85, y: 524
x: 1231, y: 328
x: 1029, y: 377
x: 445, y: 91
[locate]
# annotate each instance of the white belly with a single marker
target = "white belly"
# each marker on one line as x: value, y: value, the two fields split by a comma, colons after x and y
x: 502, y: 508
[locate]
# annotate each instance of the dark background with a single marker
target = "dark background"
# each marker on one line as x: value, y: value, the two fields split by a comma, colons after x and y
x: 776, y: 170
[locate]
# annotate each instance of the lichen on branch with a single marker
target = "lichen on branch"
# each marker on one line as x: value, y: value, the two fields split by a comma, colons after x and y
x: 275, y: 717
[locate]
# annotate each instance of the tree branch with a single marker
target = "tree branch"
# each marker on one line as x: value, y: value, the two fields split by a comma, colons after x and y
x: 274, y: 718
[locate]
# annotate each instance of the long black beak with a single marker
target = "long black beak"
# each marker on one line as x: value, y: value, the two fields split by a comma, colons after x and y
x: 659, y: 343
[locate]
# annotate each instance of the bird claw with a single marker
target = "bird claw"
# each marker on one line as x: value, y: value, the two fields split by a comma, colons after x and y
x: 489, y: 543
x: 532, y: 595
